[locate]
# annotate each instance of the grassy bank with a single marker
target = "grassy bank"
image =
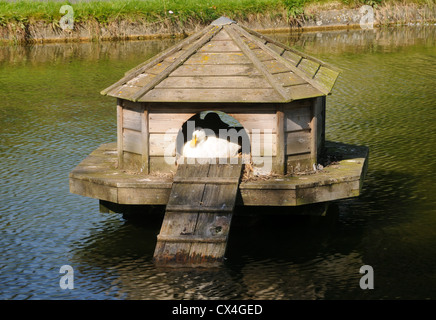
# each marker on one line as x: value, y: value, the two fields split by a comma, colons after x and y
x: 154, y: 11
x: 39, y: 21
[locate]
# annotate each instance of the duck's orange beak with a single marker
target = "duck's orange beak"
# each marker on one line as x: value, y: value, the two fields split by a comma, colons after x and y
x: 194, y: 142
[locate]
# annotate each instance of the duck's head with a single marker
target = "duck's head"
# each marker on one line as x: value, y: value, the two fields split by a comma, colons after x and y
x: 197, y: 136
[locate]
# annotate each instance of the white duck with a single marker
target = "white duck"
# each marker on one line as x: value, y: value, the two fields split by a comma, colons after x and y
x: 202, y: 146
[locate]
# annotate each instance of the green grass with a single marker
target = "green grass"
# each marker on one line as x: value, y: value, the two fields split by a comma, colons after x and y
x: 203, y: 11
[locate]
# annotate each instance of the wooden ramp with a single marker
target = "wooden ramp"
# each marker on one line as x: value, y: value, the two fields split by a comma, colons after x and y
x: 198, y: 215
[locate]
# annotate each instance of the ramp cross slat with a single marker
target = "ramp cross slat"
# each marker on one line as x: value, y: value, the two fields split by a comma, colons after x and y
x: 198, y: 215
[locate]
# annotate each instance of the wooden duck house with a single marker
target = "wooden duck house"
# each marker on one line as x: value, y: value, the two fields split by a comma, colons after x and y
x: 265, y: 96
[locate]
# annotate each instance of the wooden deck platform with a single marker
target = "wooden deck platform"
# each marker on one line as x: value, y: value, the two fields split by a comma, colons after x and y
x: 97, y: 177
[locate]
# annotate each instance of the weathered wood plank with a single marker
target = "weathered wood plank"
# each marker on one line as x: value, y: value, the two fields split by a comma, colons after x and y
x: 218, y: 58
x: 298, y: 119
x: 141, y: 80
x: 304, y: 91
x: 162, y: 164
x: 274, y: 47
x: 279, y: 163
x: 287, y: 79
x: 309, y: 67
x: 215, y: 180
x: 225, y: 82
x: 163, y: 144
x: 145, y: 140
x: 273, y: 67
x: 262, y: 55
x: 263, y: 144
x: 212, y: 95
x: 253, y: 120
x: 216, y: 70
x: 293, y: 57
x: 162, y: 122
x: 132, y: 119
x: 221, y: 36
x: 326, y: 77
x: 132, y: 141
x: 220, y: 46
x: 298, y: 142
x: 120, y: 132
x: 124, y: 92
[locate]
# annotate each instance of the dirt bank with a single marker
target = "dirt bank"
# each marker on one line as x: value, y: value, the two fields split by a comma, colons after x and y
x: 314, y: 18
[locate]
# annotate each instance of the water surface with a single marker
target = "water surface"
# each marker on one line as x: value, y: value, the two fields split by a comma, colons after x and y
x: 52, y: 116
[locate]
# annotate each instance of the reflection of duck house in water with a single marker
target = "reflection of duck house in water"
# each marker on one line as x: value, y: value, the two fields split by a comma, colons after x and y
x: 273, y: 99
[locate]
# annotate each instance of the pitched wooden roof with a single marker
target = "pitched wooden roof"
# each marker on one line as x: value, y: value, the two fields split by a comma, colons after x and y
x: 226, y: 62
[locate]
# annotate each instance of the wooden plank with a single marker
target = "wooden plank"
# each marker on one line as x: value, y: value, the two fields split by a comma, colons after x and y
x: 163, y: 144
x: 298, y: 142
x: 141, y: 80
x: 174, y: 56
x: 132, y: 119
x: 162, y: 164
x: 124, y: 92
x: 216, y: 70
x: 279, y: 164
x: 145, y: 140
x: 189, y: 238
x: 293, y: 57
x: 242, y: 95
x: 215, y: 180
x: 253, y: 120
x: 304, y: 91
x: 120, y: 132
x: 273, y: 67
x: 196, y: 208
x: 205, y: 38
x: 326, y: 77
x: 162, y: 122
x: 233, y: 32
x: 220, y: 46
x: 262, y: 55
x: 309, y: 67
x: 218, y: 58
x: 132, y: 141
x: 263, y: 144
x: 221, y: 36
x: 225, y: 82
x: 298, y: 119
x: 314, y: 132
x: 288, y: 79
x: 276, y: 48
x: 158, y: 68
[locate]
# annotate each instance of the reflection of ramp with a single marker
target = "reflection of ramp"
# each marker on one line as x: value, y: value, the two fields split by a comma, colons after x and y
x: 198, y: 214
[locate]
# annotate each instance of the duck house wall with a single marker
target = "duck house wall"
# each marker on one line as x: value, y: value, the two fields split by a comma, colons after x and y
x: 147, y: 133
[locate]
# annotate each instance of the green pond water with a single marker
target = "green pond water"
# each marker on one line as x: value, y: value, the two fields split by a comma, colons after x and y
x: 52, y: 116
